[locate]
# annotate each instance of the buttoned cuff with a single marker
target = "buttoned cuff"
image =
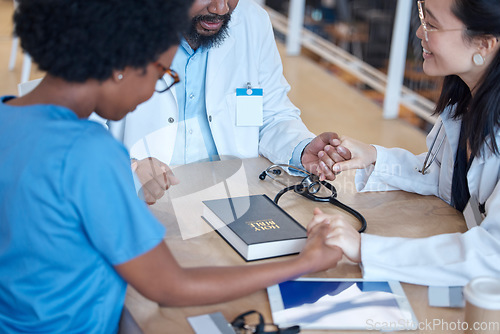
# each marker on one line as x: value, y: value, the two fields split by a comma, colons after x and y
x: 296, y: 159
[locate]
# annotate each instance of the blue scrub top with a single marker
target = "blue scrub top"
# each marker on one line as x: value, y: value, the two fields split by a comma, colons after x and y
x: 68, y: 214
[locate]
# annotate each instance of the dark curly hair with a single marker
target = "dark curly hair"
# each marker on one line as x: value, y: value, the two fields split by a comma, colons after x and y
x: 77, y: 40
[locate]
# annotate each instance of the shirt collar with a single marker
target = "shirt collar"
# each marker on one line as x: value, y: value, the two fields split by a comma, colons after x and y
x: 187, y: 48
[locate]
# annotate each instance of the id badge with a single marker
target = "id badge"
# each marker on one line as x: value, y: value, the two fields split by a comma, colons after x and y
x: 249, y: 106
x: 472, y: 214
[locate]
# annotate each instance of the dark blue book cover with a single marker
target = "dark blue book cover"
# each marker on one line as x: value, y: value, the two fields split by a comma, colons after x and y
x: 256, y: 220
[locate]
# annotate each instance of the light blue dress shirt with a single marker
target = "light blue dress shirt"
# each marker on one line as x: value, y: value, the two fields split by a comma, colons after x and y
x: 194, y: 140
x: 59, y: 242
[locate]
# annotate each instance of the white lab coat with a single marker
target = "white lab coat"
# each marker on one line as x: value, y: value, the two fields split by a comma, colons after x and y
x: 447, y: 259
x: 248, y: 55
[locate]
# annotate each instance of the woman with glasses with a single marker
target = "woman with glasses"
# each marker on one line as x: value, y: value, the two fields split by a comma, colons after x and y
x: 462, y: 166
x: 73, y: 232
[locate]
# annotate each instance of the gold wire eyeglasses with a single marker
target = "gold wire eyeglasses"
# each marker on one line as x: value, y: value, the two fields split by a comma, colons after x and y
x: 425, y: 25
x: 163, y: 85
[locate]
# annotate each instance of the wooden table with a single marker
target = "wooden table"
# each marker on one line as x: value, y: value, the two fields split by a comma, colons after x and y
x: 193, y: 243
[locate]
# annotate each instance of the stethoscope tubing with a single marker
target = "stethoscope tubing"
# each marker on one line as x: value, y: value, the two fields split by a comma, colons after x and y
x: 429, y: 154
x: 333, y: 200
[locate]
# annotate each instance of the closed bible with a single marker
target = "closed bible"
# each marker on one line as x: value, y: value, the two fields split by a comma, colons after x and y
x: 255, y: 226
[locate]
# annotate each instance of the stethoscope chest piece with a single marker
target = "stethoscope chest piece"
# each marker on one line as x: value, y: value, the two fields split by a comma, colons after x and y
x: 310, y: 187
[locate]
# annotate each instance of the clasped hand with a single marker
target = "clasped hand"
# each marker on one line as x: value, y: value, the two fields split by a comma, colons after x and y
x: 155, y: 177
x: 339, y: 233
x: 344, y: 153
x: 321, y: 153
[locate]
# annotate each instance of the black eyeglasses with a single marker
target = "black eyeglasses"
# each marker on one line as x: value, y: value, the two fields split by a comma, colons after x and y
x: 163, y: 85
x: 244, y: 324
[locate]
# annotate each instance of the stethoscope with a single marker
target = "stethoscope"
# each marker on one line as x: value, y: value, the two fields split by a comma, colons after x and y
x: 309, y: 187
x: 429, y: 158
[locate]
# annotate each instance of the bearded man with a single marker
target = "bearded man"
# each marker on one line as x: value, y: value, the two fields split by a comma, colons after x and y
x: 231, y: 101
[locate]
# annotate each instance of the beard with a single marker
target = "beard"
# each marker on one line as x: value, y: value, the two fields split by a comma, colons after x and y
x: 209, y: 41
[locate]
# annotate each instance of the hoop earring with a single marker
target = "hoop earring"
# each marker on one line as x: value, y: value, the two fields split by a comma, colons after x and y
x: 478, y: 59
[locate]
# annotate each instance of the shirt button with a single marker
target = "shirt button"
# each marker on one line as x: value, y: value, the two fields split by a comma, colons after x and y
x: 210, y: 118
x: 190, y: 132
x: 191, y: 96
x: 170, y: 119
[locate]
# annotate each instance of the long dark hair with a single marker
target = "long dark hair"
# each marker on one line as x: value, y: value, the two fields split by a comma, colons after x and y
x: 480, y: 112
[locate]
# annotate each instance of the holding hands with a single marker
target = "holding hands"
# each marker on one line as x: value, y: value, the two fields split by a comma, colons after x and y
x: 338, y: 154
x: 345, y: 153
x: 318, y: 254
x: 317, y: 161
x: 340, y: 234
